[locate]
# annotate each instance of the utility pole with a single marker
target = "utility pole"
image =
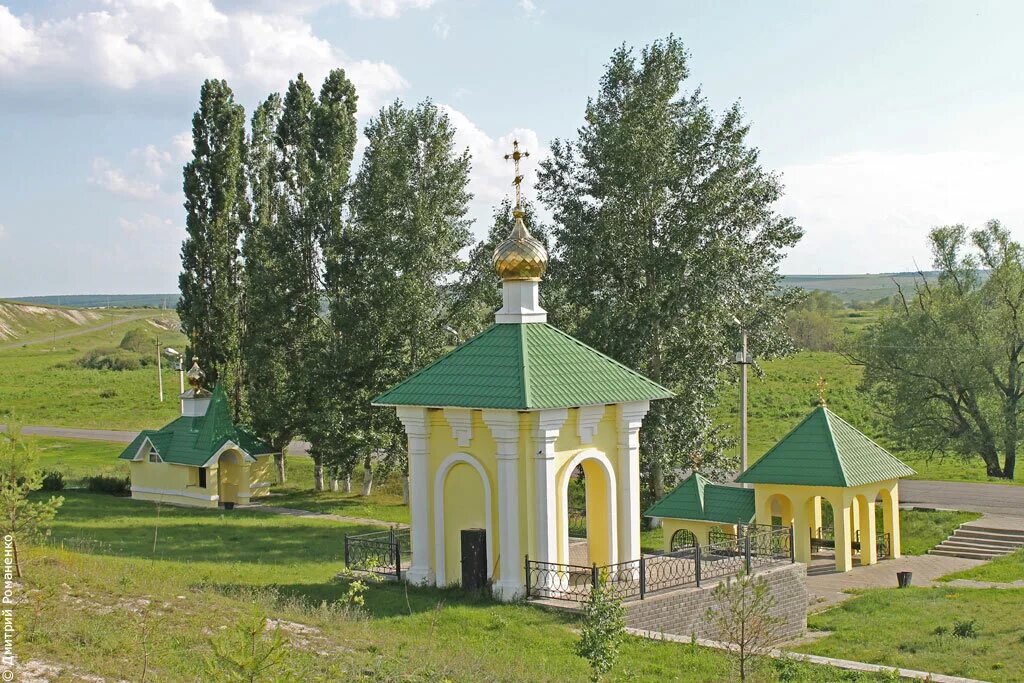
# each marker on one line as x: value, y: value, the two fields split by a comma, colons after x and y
x: 743, y: 360
x: 160, y: 369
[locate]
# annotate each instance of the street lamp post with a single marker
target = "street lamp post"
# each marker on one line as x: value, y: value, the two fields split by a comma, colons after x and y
x: 743, y: 360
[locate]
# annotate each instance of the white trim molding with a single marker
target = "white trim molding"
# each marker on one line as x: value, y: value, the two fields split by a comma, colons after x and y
x: 504, y: 427
x: 417, y: 429
x: 520, y: 303
x: 609, y: 471
x: 587, y: 419
x: 549, y: 426
x: 442, y: 474
x: 171, y: 492
x: 629, y: 419
x: 228, y: 446
x: 461, y: 422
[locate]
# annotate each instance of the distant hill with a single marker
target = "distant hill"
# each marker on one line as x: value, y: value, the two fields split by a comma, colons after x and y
x: 852, y: 288
x: 103, y: 300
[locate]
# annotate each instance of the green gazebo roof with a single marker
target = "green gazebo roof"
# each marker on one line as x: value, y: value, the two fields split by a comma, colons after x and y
x: 194, y: 440
x: 528, y: 366
x: 698, y: 498
x: 825, y: 450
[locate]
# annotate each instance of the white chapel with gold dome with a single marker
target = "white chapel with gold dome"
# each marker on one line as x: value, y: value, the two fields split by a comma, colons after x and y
x: 497, y: 427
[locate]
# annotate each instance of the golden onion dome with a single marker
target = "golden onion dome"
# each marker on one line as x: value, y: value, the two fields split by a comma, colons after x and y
x: 521, y: 256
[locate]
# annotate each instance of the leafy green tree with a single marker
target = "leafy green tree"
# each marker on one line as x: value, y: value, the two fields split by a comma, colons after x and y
x: 216, y: 206
x: 946, y: 363
x: 476, y: 295
x: 388, y: 269
x: 741, y: 615
x: 23, y: 520
x: 666, y: 228
x: 812, y: 322
x: 602, y: 629
x: 264, y: 333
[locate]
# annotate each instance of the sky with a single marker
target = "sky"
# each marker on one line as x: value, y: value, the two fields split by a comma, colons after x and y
x: 883, y: 119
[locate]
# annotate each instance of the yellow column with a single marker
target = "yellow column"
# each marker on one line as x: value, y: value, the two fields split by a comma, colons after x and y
x: 891, y: 513
x: 868, y: 536
x: 854, y: 519
x: 816, y: 516
x: 841, y: 512
x: 803, y: 516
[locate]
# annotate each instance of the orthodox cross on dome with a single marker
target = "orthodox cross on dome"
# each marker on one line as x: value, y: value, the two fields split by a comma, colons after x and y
x: 515, y: 156
x: 822, y: 386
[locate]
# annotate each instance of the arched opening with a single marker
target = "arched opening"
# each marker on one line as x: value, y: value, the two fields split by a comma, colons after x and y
x: 594, y: 486
x: 887, y: 525
x: 865, y: 536
x: 681, y: 539
x: 462, y: 500
x: 229, y: 476
x: 825, y: 532
x: 779, y: 510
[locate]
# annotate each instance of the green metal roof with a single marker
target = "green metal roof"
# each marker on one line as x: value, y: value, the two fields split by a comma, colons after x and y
x: 194, y: 440
x: 700, y: 499
x: 528, y: 366
x: 825, y: 450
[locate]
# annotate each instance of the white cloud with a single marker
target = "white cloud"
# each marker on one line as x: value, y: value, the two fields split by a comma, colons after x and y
x: 442, y: 28
x: 530, y: 9
x: 491, y: 177
x: 149, y: 172
x: 877, y: 207
x: 387, y: 9
x: 3, y: 231
x: 127, y: 44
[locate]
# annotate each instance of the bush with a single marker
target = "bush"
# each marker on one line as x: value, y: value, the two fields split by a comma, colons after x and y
x: 138, y: 341
x: 967, y: 628
x: 52, y: 481
x: 103, y: 483
x: 113, y: 359
x: 108, y: 393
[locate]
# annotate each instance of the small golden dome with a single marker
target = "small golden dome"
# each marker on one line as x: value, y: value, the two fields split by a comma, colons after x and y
x: 521, y: 256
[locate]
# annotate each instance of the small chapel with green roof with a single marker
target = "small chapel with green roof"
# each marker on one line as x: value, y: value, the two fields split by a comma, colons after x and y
x: 497, y: 429
x: 201, y: 459
x: 823, y: 461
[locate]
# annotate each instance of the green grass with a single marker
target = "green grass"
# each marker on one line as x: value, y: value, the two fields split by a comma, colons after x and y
x: 922, y: 530
x: 1005, y: 569
x: 79, y: 458
x: 103, y: 601
x: 898, y: 628
x: 384, y: 503
x: 42, y: 385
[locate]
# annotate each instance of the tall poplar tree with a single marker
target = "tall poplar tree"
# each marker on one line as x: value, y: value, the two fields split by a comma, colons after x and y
x: 216, y: 206
x: 265, y: 337
x: 389, y: 270
x: 667, y: 228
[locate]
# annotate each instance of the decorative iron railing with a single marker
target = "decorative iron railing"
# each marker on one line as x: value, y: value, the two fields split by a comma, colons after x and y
x: 577, y: 522
x: 752, y: 549
x: 379, y: 552
x: 825, y: 537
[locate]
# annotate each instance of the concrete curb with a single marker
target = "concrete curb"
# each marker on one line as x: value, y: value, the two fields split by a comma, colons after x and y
x: 847, y: 664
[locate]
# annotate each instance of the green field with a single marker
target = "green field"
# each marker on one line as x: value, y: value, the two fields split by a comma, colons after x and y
x: 1005, y: 569
x: 43, y: 385
x: 914, y: 628
x: 124, y: 584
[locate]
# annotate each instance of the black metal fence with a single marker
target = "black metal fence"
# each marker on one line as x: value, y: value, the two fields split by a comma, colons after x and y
x: 754, y: 548
x: 825, y: 538
x: 379, y: 552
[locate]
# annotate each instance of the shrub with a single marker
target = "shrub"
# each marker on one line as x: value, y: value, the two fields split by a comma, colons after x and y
x: 104, y: 483
x: 113, y: 359
x: 138, y: 341
x: 968, y: 628
x: 53, y: 481
x: 108, y: 393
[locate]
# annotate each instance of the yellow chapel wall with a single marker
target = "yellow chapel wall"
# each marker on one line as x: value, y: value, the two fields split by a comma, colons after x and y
x: 171, y: 483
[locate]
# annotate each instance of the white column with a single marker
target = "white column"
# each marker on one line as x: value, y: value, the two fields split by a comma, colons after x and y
x: 504, y: 426
x: 630, y: 416
x: 417, y: 429
x: 549, y: 424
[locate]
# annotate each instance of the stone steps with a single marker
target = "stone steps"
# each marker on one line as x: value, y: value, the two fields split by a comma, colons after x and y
x: 979, y: 542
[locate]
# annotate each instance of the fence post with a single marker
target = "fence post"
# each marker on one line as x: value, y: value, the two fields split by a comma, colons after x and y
x: 396, y: 545
x: 594, y: 577
x: 697, y: 561
x: 526, y: 566
x: 346, y: 550
x: 746, y: 551
x: 792, y: 545
x: 643, y: 576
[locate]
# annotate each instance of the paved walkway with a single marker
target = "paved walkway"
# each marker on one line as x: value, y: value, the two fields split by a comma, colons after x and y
x: 998, y: 499
x: 826, y: 586
x: 116, y: 435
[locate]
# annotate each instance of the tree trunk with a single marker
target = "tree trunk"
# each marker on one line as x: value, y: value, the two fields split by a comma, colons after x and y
x: 334, y: 480
x: 17, y: 558
x: 318, y: 473
x: 346, y: 486
x: 1010, y: 461
x: 279, y: 461
x: 367, y: 477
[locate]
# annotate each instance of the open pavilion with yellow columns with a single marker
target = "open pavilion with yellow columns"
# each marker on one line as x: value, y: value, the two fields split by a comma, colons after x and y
x: 497, y: 427
x: 823, y: 460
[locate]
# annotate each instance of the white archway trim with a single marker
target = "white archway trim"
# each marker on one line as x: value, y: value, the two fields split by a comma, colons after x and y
x: 442, y: 474
x: 613, y: 519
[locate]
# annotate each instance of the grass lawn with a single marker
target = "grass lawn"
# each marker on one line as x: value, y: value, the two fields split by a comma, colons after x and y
x: 107, y: 603
x: 922, y: 530
x: 914, y: 628
x: 1005, y: 569
x: 79, y: 458
x: 42, y: 385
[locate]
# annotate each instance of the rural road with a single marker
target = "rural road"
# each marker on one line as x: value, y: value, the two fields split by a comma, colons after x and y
x: 993, y: 499
x: 74, y: 333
